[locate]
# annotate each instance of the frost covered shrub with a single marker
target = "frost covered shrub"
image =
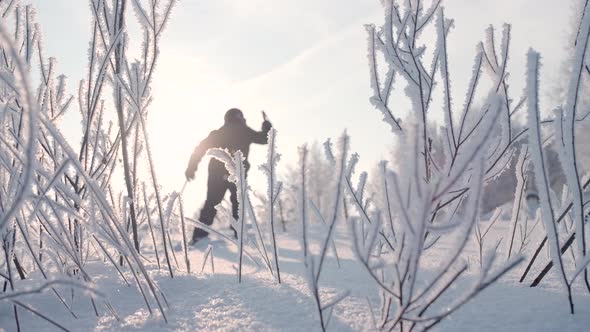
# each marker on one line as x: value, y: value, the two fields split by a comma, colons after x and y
x: 320, y: 177
x: 436, y: 189
x: 59, y: 208
x: 314, y: 262
x: 564, y: 214
x: 561, y: 87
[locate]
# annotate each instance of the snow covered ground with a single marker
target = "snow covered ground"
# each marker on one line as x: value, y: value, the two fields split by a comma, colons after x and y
x: 217, y: 302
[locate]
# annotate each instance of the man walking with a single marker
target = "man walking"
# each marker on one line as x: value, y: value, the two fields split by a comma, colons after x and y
x: 234, y: 135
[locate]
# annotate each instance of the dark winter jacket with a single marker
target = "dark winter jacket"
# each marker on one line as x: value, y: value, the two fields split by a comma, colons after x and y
x: 233, y: 136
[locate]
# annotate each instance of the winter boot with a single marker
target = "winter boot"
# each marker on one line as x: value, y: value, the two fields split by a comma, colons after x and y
x: 198, y: 234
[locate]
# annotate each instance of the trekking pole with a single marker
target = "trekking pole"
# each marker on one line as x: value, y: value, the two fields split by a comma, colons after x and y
x: 183, y: 186
x: 182, y: 224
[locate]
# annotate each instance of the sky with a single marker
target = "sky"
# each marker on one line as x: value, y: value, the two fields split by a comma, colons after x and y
x: 302, y: 61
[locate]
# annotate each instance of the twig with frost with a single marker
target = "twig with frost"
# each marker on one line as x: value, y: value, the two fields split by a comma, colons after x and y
x: 31, y: 115
x: 149, y: 221
x: 39, y: 314
x: 521, y: 182
x: 47, y: 285
x: 303, y: 204
x: 237, y: 174
x: 480, y: 237
x: 259, y: 241
x: 208, y: 253
x: 567, y: 133
x: 186, y: 260
x: 540, y: 169
x: 273, y: 192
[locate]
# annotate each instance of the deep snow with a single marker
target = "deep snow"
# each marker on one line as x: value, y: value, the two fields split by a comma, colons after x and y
x: 217, y: 302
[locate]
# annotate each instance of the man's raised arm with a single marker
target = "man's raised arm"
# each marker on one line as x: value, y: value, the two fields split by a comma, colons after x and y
x: 261, y: 137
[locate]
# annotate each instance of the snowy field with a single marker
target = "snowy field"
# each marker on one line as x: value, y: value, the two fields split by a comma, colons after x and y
x: 217, y: 302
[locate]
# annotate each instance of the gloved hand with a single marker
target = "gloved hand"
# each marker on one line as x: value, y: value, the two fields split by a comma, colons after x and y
x: 266, y: 125
x: 189, y: 174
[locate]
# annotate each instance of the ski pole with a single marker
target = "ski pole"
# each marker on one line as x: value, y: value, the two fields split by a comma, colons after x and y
x: 183, y: 186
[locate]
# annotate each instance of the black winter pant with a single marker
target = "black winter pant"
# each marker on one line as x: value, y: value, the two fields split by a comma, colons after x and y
x: 217, y: 185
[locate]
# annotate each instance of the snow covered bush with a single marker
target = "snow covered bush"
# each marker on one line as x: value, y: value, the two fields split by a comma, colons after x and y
x: 314, y: 261
x: 59, y: 208
x: 320, y: 178
x: 558, y: 210
x: 436, y: 190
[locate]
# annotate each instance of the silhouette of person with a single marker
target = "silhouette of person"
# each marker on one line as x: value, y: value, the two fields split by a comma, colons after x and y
x: 234, y: 135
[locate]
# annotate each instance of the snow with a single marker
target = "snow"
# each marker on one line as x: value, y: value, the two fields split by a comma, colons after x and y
x: 360, y: 273
x: 217, y: 302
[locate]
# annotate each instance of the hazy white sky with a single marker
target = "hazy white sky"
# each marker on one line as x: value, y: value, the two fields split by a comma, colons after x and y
x: 303, y: 61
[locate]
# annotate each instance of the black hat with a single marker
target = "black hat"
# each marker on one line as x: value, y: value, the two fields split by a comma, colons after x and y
x: 234, y: 115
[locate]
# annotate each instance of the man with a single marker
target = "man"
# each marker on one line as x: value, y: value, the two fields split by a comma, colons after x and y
x: 234, y: 135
